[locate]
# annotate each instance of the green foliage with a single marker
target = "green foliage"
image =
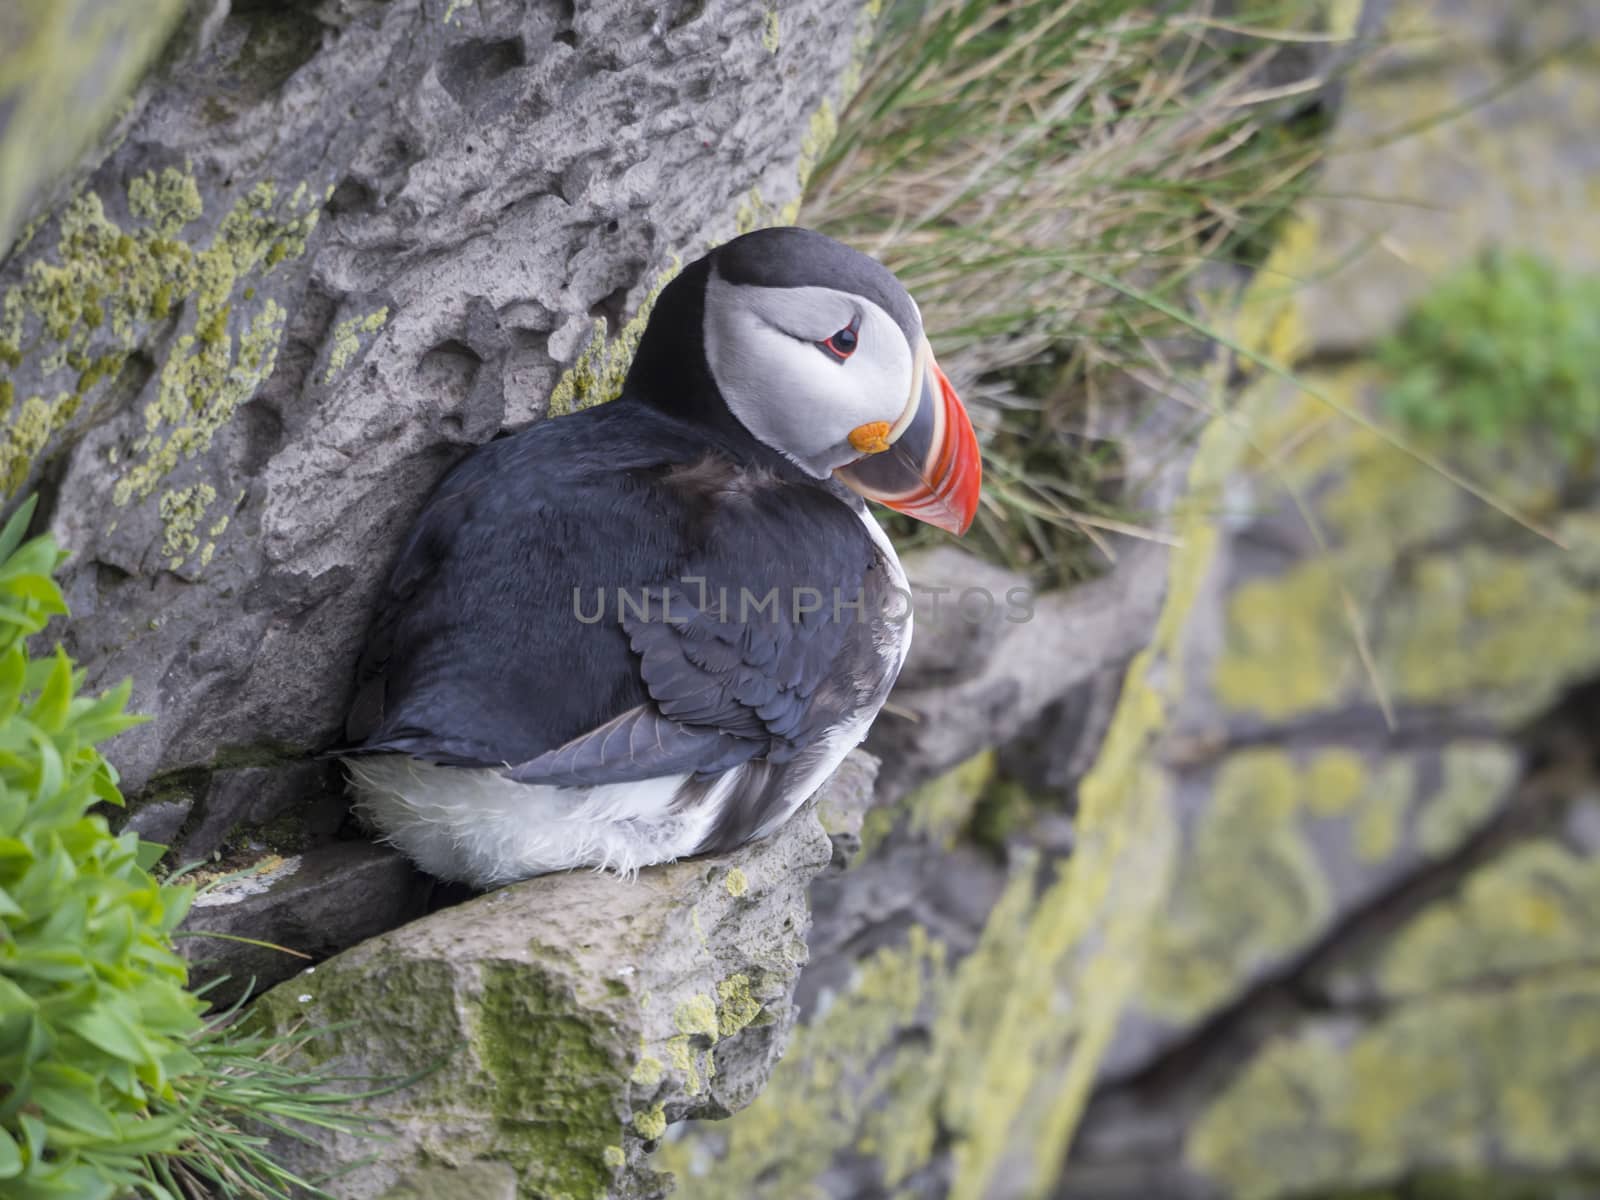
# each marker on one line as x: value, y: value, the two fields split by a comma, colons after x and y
x: 95, y: 1021
x: 110, y: 1082
x: 1507, y: 345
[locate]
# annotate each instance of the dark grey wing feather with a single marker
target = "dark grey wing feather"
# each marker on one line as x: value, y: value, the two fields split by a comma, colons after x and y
x: 639, y: 744
x: 729, y: 683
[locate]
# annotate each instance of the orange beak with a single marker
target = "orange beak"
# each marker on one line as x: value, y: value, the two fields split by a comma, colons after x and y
x: 927, y: 465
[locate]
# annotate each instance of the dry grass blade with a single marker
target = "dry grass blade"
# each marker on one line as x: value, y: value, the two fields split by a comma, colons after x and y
x: 995, y: 149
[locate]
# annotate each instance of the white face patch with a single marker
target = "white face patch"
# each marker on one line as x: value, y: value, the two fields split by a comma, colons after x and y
x: 762, y: 347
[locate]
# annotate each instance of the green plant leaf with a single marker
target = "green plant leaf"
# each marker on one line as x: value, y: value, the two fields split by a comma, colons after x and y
x: 16, y: 527
x: 72, y: 1109
x: 10, y: 1156
x: 149, y: 854
x: 110, y: 1029
x: 49, y: 711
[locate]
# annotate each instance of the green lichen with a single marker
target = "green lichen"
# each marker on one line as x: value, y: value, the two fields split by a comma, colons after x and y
x: 347, y: 340
x: 1004, y: 810
x: 84, y: 308
x: 648, y: 1071
x: 603, y: 362
x: 771, y: 31
x: 614, y: 1157
x: 557, y: 1082
x: 736, y: 1005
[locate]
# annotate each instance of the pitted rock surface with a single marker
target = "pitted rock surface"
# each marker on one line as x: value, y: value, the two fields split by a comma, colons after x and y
x: 340, y: 244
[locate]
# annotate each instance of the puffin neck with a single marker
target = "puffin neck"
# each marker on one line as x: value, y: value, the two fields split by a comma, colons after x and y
x: 670, y: 372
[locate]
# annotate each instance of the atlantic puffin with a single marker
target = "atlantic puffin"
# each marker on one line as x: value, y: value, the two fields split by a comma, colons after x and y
x: 652, y: 628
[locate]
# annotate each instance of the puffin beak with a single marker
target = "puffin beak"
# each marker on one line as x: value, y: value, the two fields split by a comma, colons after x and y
x: 926, y: 464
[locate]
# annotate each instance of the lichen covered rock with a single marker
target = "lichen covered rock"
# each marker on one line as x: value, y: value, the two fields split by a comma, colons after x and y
x: 1374, y: 971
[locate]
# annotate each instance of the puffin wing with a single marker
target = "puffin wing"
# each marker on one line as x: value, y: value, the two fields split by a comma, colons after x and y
x: 760, y: 645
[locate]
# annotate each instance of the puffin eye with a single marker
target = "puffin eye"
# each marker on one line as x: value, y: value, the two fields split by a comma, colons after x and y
x: 843, y: 344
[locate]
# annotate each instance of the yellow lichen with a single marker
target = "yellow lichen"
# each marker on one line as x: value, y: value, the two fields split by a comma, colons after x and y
x: 648, y: 1071
x: 651, y: 1123
x: 736, y: 1006
x: 736, y: 882
x: 1217, y: 933
x: 697, y: 1016
x: 87, y: 306
x: 1533, y: 909
x: 805, y: 1112
x: 181, y: 512
x: 1334, y: 781
x: 68, y: 75
x: 603, y: 362
x: 168, y: 201
x: 1477, y: 776
x: 1462, y: 1082
x: 1375, y: 833
x: 941, y: 808
x: 347, y: 340
x: 684, y: 1059
x: 1288, y: 650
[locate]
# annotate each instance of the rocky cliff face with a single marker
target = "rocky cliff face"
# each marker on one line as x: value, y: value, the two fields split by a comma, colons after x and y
x: 338, y: 244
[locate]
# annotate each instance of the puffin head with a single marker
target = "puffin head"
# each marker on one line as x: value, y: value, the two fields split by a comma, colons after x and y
x: 818, y: 352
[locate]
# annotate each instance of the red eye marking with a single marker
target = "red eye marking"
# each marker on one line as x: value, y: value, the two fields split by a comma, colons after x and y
x: 843, y: 344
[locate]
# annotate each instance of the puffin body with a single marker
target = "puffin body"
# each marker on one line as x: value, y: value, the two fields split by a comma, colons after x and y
x: 652, y: 628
